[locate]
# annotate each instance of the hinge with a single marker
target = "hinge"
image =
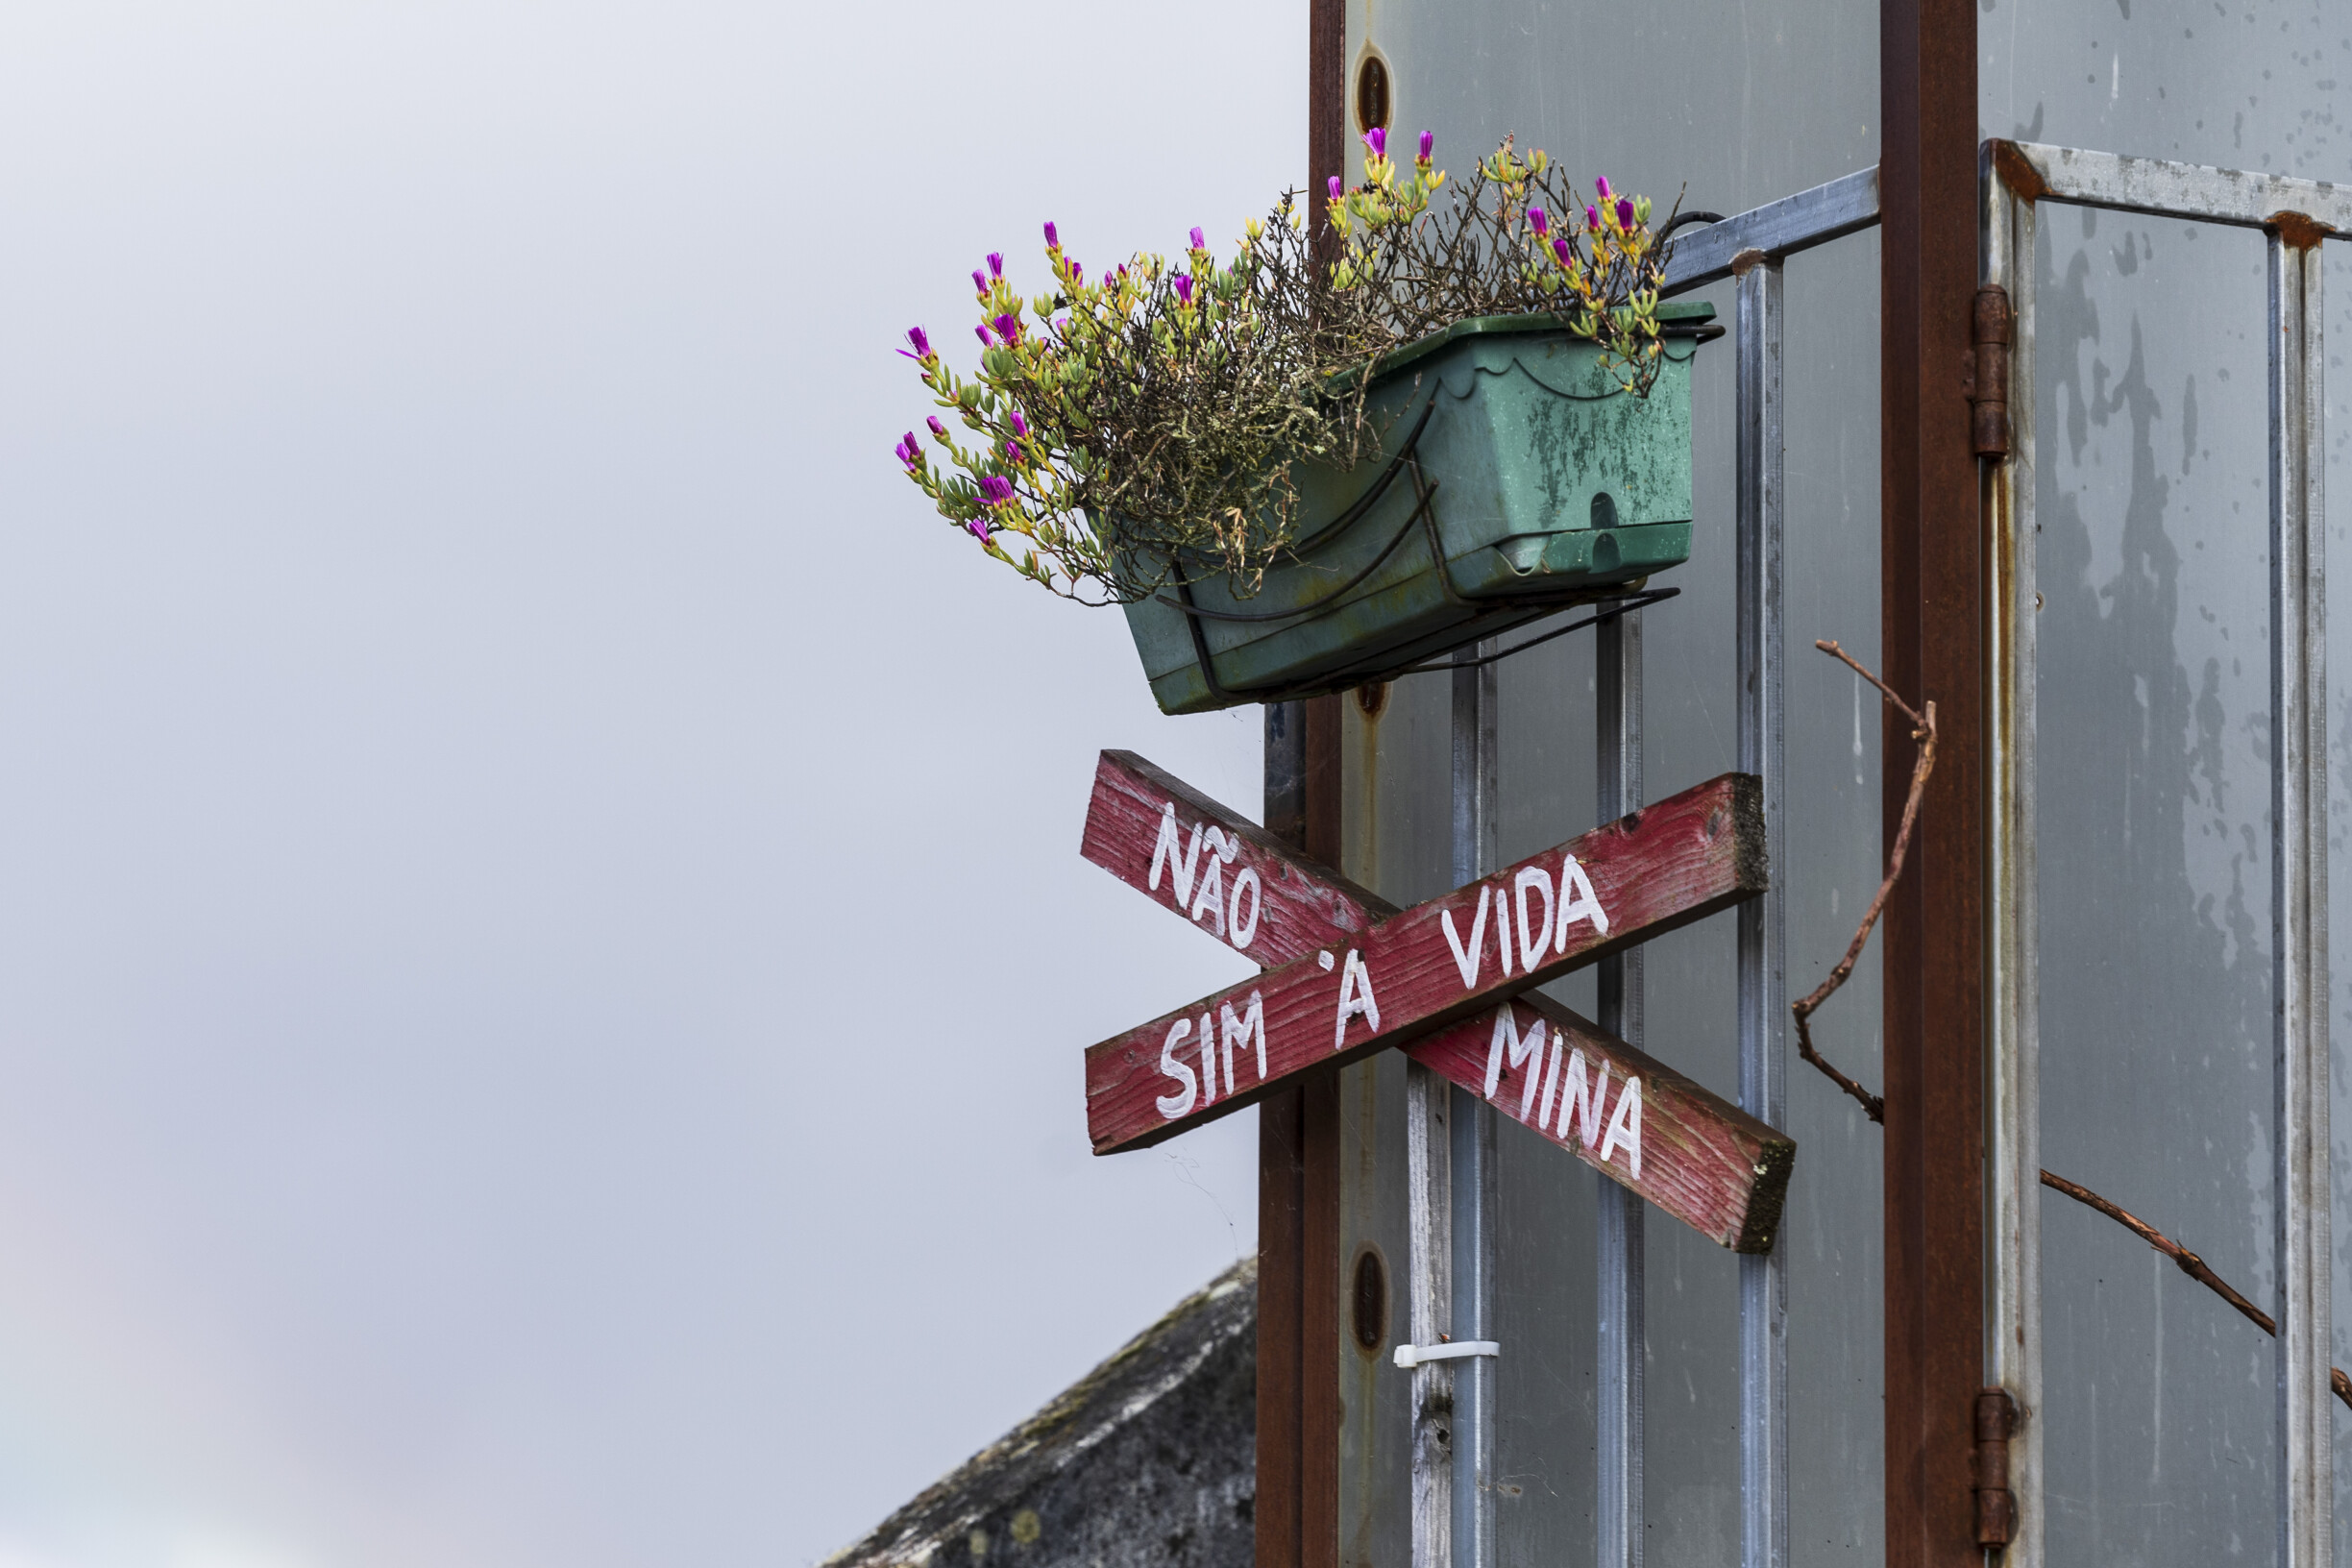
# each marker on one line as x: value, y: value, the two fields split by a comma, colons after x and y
x: 1997, y: 1420
x: 1988, y: 372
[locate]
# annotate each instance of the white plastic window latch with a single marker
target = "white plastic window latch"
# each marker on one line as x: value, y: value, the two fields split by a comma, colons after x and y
x: 1412, y: 1356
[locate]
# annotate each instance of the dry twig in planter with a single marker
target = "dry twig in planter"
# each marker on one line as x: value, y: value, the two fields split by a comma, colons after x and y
x: 2191, y: 1264
x: 1923, y: 731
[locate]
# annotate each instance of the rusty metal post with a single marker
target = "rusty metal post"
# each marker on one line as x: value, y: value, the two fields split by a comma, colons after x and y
x: 1296, y: 1510
x: 1933, y: 575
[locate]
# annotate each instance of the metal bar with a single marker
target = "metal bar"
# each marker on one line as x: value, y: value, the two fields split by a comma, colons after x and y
x: 1477, y: 851
x: 2166, y: 189
x: 2013, y: 1330
x: 1762, y: 509
x: 1296, y: 1515
x: 2298, y: 903
x: 1280, y: 1210
x: 1933, y: 580
x: 1296, y: 1510
x: 1619, y: 1268
x: 1777, y: 229
x: 1429, y: 1286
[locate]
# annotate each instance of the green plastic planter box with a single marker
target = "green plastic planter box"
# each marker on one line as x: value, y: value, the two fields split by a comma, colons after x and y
x: 1546, y: 487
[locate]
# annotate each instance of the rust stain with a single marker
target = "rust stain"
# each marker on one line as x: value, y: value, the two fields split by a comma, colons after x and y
x: 2297, y: 229
x: 2017, y: 172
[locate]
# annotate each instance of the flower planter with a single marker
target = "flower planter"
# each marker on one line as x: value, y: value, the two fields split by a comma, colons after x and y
x: 1513, y: 480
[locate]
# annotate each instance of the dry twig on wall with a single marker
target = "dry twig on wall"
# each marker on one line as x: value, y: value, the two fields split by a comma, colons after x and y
x: 1923, y: 731
x: 2191, y: 1264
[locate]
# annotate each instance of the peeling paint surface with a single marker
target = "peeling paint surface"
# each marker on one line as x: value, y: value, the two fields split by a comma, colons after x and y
x: 2154, y: 735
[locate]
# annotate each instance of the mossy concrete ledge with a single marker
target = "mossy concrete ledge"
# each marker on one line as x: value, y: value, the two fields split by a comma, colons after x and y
x: 1148, y: 1459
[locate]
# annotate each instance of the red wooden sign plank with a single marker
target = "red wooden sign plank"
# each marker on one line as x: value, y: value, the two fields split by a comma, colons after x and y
x: 1688, y: 1151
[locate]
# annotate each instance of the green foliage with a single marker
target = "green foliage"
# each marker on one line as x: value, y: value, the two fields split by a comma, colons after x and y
x: 1141, y: 426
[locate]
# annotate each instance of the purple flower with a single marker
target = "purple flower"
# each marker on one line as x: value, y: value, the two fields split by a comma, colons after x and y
x: 922, y: 344
x: 1077, y: 273
x: 1012, y: 451
x: 1051, y: 239
x: 997, y: 260
x: 981, y: 333
x: 1625, y: 213
x: 1539, y: 220
x: 1198, y: 243
x: 1601, y: 184
x: 1334, y: 188
x: 980, y: 529
x: 908, y: 453
x: 1377, y: 139
x: 1008, y: 328
x: 936, y: 429
x: 1563, y: 250
x: 996, y: 490
x: 979, y: 283
x: 1183, y: 287
x: 1428, y: 142
x: 1592, y: 219
x: 1021, y: 425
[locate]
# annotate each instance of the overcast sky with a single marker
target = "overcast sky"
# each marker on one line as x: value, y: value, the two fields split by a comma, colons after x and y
x: 543, y: 956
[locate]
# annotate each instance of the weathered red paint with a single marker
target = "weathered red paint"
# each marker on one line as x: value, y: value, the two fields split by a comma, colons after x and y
x: 1704, y: 1161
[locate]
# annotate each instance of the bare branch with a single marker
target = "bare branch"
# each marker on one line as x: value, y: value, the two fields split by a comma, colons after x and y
x: 1909, y: 712
x: 2191, y: 1264
x: 1923, y: 731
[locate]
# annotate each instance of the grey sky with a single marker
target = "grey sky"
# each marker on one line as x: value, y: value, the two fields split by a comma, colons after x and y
x: 542, y: 948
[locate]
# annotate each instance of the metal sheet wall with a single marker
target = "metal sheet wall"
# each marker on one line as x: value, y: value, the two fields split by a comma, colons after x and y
x: 1742, y: 112
x: 2154, y: 779
x: 2154, y: 710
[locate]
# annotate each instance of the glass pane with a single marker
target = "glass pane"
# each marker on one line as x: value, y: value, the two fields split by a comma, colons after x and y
x: 2155, y: 884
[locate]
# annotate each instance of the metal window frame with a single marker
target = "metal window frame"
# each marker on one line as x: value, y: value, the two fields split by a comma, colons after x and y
x: 2297, y: 216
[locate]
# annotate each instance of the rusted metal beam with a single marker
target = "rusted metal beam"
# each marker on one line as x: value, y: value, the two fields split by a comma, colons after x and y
x: 1932, y: 606
x: 1297, y: 1504
x: 1282, y: 1211
x: 1298, y: 1130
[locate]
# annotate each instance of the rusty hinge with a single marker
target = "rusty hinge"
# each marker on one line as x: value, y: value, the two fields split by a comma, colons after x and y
x: 1996, y: 1419
x: 1988, y: 372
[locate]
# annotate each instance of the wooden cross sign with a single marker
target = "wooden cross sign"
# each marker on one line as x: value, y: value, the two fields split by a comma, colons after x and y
x: 1346, y: 973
